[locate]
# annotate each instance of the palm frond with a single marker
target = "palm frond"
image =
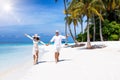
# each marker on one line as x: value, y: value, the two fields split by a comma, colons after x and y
x: 96, y: 13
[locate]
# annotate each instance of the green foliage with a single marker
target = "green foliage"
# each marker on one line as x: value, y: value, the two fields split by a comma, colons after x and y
x: 114, y: 37
x: 80, y: 36
x: 110, y: 30
x: 107, y: 9
x: 105, y: 28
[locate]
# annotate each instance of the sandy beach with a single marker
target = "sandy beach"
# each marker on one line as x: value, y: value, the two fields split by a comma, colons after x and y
x: 75, y: 64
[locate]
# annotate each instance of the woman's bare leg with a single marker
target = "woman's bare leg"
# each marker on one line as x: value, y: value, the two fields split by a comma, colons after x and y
x: 37, y: 55
x: 34, y: 60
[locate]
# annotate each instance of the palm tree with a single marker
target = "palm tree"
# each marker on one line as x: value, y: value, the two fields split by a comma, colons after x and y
x: 81, y: 22
x: 111, y: 7
x: 70, y: 20
x: 75, y: 23
x: 65, y: 8
x: 86, y: 7
x: 75, y: 18
x: 100, y: 6
x: 100, y: 26
x: 94, y: 29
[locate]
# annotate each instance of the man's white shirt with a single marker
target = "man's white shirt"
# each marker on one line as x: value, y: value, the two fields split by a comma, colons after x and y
x: 57, y: 40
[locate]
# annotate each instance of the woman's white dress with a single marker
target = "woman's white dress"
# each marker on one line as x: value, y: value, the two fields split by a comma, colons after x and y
x: 35, y: 44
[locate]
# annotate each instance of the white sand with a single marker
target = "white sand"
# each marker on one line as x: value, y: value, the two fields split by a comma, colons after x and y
x: 78, y: 64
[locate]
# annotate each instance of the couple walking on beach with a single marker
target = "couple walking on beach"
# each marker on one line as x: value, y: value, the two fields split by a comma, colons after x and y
x: 57, y: 39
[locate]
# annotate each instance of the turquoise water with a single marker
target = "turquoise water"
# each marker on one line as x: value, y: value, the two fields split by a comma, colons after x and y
x: 14, y: 54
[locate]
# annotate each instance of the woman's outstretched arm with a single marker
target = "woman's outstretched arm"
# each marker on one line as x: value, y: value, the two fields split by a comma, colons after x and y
x: 29, y: 36
x: 42, y: 43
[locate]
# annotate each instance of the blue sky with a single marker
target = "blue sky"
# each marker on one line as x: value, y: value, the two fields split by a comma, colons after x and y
x: 31, y: 16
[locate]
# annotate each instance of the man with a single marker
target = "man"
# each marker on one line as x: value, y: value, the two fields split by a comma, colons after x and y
x: 57, y: 39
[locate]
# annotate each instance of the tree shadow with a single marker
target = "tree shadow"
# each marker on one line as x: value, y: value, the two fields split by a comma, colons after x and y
x: 75, y: 45
x: 98, y: 46
x: 95, y: 46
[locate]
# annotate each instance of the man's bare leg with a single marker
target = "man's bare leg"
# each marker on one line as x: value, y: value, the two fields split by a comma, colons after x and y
x: 56, y: 57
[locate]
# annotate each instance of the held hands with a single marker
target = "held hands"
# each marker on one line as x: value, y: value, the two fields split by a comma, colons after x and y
x: 47, y: 44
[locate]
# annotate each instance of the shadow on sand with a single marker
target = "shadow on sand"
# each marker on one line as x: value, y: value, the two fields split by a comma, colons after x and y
x: 41, y: 62
x: 54, y: 61
x: 95, y: 46
x: 64, y: 60
x: 75, y: 45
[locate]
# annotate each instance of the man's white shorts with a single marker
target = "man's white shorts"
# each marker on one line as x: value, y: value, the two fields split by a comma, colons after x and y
x: 57, y: 48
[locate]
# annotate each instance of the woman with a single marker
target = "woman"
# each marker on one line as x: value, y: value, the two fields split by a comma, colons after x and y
x: 35, y: 52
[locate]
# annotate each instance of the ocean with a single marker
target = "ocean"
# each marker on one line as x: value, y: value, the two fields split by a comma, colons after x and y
x: 20, y: 38
x: 12, y: 55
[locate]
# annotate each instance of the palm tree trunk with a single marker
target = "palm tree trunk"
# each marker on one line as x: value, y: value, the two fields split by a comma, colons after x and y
x: 94, y: 31
x: 100, y: 24
x: 75, y: 32
x: 65, y: 7
x: 88, y: 35
x: 81, y: 27
x: 72, y: 34
x: 66, y: 41
x: 119, y: 34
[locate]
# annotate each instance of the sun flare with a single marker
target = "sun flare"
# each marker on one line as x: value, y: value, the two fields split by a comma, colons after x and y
x: 7, y: 7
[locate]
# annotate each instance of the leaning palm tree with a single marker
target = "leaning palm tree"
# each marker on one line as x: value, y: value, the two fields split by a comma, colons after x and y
x: 65, y: 8
x: 69, y: 21
x: 74, y: 18
x: 75, y: 24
